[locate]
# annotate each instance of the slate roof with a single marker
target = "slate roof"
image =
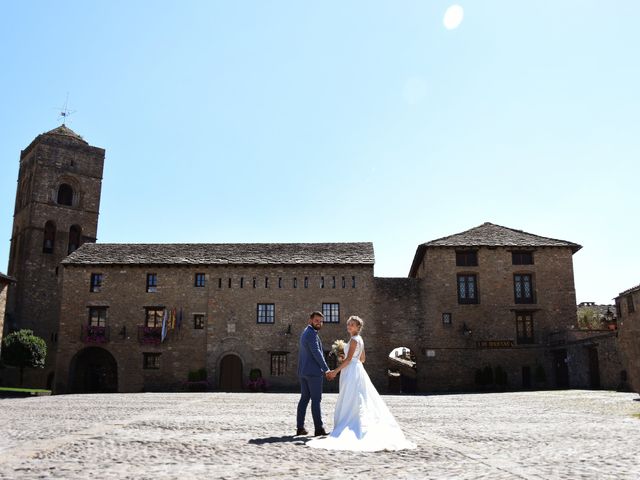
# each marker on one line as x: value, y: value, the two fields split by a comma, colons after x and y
x: 629, y: 290
x: 6, y: 278
x: 65, y: 131
x: 490, y: 235
x: 223, y: 254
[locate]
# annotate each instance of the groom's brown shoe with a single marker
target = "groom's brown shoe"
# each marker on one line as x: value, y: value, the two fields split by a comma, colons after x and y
x: 301, y: 431
x: 320, y: 433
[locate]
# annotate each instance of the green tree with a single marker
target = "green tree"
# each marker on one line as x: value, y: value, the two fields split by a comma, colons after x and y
x: 24, y: 349
x: 589, y: 318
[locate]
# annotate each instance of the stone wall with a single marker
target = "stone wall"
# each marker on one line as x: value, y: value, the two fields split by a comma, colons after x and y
x: 629, y: 336
x: 594, y: 359
x: 484, y: 334
x: 50, y: 160
x: 398, y: 316
x: 231, y: 318
x: 3, y: 302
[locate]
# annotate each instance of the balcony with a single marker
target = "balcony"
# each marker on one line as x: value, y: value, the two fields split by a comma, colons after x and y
x: 149, y: 335
x: 94, y: 334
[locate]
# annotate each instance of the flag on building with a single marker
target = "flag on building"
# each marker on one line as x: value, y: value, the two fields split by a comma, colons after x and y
x: 164, y: 325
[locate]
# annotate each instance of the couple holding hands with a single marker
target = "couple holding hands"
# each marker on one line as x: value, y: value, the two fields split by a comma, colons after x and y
x: 361, y: 421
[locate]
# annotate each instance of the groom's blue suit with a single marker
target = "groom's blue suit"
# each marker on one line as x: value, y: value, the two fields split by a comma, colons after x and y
x: 311, y: 369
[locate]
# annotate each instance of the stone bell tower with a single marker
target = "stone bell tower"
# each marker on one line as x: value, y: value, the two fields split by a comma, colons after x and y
x: 56, y: 211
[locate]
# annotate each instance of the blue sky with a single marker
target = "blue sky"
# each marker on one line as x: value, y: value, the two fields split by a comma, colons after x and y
x: 290, y: 121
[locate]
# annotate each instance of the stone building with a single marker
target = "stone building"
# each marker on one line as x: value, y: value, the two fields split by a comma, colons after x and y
x: 56, y: 211
x: 493, y: 297
x: 479, y: 309
x: 5, y: 281
x: 628, y: 311
x: 226, y: 308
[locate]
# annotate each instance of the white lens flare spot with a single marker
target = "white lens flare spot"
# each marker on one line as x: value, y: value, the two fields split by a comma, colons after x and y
x: 453, y: 17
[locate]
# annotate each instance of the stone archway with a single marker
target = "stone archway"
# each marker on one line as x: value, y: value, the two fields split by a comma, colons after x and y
x: 230, y: 373
x: 93, y: 370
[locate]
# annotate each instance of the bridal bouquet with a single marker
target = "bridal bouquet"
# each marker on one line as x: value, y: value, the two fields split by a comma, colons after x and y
x: 338, y: 349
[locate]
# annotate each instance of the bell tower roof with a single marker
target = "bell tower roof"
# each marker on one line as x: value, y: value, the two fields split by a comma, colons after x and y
x: 65, y: 131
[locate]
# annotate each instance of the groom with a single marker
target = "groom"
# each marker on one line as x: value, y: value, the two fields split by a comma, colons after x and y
x: 311, y: 368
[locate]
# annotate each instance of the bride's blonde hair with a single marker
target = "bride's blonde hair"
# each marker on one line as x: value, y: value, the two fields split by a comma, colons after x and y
x: 357, y: 320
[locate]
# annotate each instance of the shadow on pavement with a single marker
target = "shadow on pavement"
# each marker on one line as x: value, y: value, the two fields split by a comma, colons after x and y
x: 283, y: 439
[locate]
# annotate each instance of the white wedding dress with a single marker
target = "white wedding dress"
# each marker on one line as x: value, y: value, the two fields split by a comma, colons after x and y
x: 362, y: 421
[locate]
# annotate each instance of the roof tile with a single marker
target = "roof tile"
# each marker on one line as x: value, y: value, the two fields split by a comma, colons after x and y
x: 222, y: 254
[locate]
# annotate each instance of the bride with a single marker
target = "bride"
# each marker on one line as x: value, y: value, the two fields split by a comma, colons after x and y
x: 362, y: 421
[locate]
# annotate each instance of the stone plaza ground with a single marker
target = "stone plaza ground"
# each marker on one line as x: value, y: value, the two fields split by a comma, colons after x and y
x: 532, y: 435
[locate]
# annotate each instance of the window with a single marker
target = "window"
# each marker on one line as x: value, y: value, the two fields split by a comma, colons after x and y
x: 198, y: 321
x: 199, y: 280
x: 266, y: 282
x: 65, y: 195
x: 333, y: 282
x: 241, y: 282
x: 153, y: 316
x: 219, y: 283
x: 524, y: 327
x: 353, y: 282
x: 331, y: 312
x: 522, y: 258
x: 278, y: 364
x: 630, y: 305
x: 152, y: 282
x: 466, y: 258
x: 306, y: 282
x: 229, y: 283
x: 446, y: 319
x: 266, y: 313
x: 467, y: 289
x: 344, y: 282
x: 279, y: 282
x: 49, y: 237
x: 151, y: 361
x: 523, y: 288
x: 321, y: 282
x: 96, y: 282
x: 97, y: 316
x: 254, y: 282
x: 295, y: 282
x: 75, y: 238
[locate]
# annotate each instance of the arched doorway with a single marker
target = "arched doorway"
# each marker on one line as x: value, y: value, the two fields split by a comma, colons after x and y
x: 93, y: 370
x: 402, y: 371
x: 231, y: 373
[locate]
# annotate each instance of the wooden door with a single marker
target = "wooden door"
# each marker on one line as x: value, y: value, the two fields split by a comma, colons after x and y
x: 594, y: 368
x: 561, y: 368
x: 231, y: 374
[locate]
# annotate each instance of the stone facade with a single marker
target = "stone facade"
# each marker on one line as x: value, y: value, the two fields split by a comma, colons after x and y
x: 57, y: 204
x: 228, y: 301
x: 5, y: 281
x: 459, y: 341
x: 233, y: 309
x: 628, y: 310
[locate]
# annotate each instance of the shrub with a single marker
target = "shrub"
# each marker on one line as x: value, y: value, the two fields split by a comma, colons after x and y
x: 256, y: 382
x: 501, y: 377
x: 198, y: 375
x: 479, y: 378
x: 487, y: 374
x: 24, y: 349
x: 539, y: 374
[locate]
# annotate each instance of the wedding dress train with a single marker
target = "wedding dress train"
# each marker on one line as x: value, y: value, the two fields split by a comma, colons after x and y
x: 362, y: 421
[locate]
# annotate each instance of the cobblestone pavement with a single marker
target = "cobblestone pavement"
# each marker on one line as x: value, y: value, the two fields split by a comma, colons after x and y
x: 533, y: 435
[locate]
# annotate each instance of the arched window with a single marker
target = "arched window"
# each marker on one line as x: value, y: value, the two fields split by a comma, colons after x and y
x: 75, y: 234
x: 49, y: 237
x: 65, y: 194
